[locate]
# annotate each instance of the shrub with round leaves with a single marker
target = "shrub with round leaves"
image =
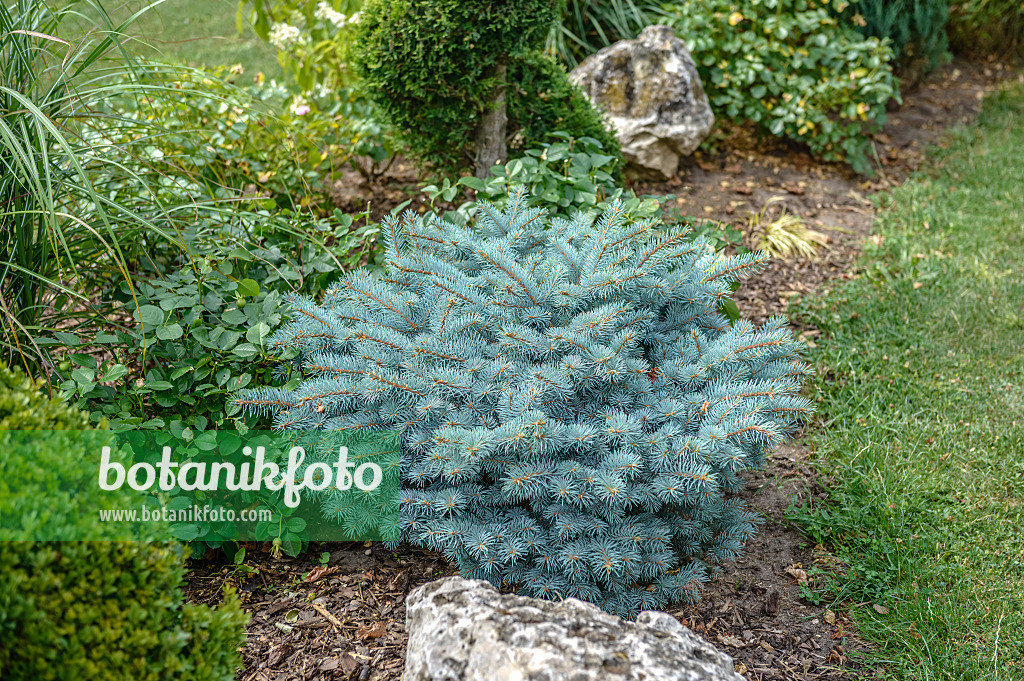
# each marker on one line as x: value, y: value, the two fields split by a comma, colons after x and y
x: 574, y: 409
x: 793, y: 68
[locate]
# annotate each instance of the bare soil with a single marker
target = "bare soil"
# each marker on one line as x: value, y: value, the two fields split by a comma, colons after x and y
x: 345, y: 619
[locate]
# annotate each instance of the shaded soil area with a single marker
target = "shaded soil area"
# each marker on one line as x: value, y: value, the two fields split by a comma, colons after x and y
x: 756, y: 611
x: 342, y: 615
x: 343, y: 619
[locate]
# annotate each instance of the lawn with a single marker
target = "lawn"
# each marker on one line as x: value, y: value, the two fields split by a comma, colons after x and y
x: 198, y: 32
x: 920, y: 388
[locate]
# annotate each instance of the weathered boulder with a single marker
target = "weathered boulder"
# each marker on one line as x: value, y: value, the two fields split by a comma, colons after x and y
x: 464, y: 630
x: 652, y: 94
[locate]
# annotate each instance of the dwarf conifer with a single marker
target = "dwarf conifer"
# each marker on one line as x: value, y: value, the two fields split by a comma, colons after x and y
x: 574, y: 410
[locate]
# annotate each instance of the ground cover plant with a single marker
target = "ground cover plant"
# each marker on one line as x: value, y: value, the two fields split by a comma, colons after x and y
x: 921, y: 385
x: 564, y: 176
x: 211, y: 136
x: 572, y: 406
x: 198, y: 323
x: 815, y: 72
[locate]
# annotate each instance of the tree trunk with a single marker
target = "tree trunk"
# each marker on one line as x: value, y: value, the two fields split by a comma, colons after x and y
x: 490, y: 132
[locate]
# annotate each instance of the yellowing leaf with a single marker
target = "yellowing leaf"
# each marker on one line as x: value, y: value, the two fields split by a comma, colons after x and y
x: 735, y: 18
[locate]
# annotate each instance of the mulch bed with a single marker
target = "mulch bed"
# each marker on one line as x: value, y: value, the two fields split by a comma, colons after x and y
x: 345, y: 619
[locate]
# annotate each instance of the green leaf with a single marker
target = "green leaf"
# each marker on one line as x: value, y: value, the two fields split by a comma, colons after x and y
x: 246, y: 350
x: 228, y: 339
x: 169, y: 332
x: 262, y: 530
x: 68, y: 339
x: 238, y: 382
x: 472, y: 182
x: 150, y: 315
x: 114, y: 373
x: 249, y: 288
x: 206, y: 442
x: 400, y: 207
x: 291, y: 545
x: 83, y: 376
x: 169, y: 302
x: 257, y: 333
x: 234, y: 316
x: 186, y: 532
x: 730, y: 310
x: 84, y: 360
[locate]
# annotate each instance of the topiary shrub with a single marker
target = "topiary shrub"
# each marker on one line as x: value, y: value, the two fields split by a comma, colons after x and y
x: 100, y: 610
x: 915, y: 28
x: 574, y: 409
x: 541, y: 100
x: 447, y: 74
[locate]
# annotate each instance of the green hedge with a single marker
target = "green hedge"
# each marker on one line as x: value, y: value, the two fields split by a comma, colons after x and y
x: 104, y: 610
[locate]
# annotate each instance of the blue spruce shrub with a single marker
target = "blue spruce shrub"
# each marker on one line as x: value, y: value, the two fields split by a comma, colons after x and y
x: 574, y: 409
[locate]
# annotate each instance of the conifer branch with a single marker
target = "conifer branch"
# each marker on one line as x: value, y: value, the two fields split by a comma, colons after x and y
x: 573, y: 409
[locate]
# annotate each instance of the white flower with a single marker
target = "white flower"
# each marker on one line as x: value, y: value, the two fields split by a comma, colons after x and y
x: 354, y: 19
x: 325, y: 12
x: 283, y: 36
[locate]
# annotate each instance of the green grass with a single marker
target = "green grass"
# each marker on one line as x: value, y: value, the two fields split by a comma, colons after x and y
x: 197, y: 32
x: 921, y: 396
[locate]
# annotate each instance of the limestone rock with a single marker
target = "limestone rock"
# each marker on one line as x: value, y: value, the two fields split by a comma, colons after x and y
x: 650, y: 90
x: 464, y: 630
